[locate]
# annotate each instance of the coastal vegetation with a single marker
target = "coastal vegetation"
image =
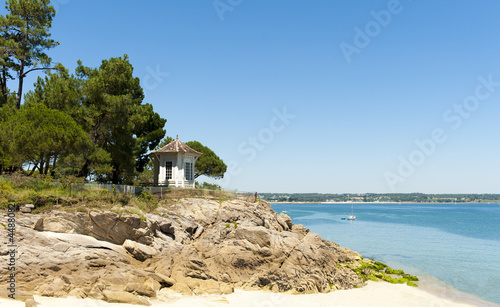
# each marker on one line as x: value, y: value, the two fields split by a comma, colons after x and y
x: 93, y: 124
x: 72, y: 194
x: 368, y: 269
x: 382, y: 197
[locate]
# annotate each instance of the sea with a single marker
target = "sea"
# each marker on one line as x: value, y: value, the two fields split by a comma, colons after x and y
x: 453, y: 248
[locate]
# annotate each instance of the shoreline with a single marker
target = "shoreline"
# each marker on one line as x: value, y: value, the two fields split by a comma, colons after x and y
x: 368, y: 202
x: 373, y: 294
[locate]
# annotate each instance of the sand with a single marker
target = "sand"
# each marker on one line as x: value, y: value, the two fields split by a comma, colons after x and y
x: 374, y: 294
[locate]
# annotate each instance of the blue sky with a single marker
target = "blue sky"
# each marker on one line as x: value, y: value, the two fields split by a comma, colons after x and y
x: 269, y: 87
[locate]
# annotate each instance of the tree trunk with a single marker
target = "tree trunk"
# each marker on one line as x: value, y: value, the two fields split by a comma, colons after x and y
x: 20, y: 89
x: 53, y: 167
x: 84, y: 172
x: 41, y: 165
x: 3, y: 84
x: 115, y: 175
x: 47, y: 165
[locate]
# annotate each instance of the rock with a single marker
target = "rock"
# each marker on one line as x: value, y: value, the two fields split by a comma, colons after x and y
x: 97, y: 292
x: 97, y: 263
x: 25, y: 222
x: 182, y: 288
x: 287, y: 220
x: 54, y: 288
x: 78, y: 293
x: 149, y: 288
x: 30, y: 303
x: 108, y: 226
x: 196, y: 246
x: 124, y: 297
x: 31, y: 206
x: 39, y: 224
x: 162, y: 279
x: 226, y: 289
x: 198, y: 232
x: 258, y: 235
x: 139, y: 251
x: 25, y: 210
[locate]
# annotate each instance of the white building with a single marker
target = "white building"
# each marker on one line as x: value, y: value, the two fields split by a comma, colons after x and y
x: 174, y: 164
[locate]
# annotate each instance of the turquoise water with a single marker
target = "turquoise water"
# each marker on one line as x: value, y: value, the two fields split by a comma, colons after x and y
x: 458, y: 244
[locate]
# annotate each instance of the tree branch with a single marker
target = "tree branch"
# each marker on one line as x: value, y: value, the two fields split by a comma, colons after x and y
x: 39, y: 68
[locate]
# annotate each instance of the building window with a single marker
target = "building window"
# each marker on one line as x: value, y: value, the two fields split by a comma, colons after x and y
x: 168, y: 170
x: 189, y: 171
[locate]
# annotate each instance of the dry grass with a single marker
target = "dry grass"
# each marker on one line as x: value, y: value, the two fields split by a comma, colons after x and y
x: 48, y: 195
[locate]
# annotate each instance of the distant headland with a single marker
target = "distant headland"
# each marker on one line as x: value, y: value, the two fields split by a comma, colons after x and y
x: 379, y: 198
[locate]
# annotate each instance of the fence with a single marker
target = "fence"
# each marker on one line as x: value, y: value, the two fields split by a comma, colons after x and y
x: 59, y: 189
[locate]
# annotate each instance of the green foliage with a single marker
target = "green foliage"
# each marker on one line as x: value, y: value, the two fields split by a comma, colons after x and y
x: 116, y: 118
x: 209, y: 164
x: 146, y: 177
x: 374, y: 270
x: 410, y: 277
x: 392, y: 280
x: 23, y: 40
x: 391, y: 271
x: 164, y: 142
x: 412, y: 284
x: 207, y: 186
x: 8, y: 159
x: 147, y: 201
x: 42, y: 136
x: 107, y: 103
x: 379, y: 265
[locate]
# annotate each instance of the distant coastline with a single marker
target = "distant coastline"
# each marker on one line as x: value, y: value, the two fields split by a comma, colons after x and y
x: 369, y: 198
x: 375, y: 202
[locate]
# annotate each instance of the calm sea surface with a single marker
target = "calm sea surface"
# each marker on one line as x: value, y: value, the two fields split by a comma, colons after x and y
x: 454, y: 244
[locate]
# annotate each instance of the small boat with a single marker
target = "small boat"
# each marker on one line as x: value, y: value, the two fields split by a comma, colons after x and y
x: 351, y: 217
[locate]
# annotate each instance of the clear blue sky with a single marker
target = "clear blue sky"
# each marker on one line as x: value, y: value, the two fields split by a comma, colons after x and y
x: 224, y: 75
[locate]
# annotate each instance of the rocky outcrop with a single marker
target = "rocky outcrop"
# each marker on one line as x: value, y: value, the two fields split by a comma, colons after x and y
x: 193, y: 246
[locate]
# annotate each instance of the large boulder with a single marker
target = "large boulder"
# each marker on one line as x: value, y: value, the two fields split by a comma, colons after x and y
x: 139, y: 251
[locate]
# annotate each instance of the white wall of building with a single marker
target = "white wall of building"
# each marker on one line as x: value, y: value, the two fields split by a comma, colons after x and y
x: 178, y: 169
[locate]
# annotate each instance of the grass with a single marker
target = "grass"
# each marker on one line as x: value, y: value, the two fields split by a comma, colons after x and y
x: 72, y: 195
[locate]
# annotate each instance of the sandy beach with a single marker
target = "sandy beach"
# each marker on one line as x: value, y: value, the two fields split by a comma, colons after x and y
x: 374, y: 294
